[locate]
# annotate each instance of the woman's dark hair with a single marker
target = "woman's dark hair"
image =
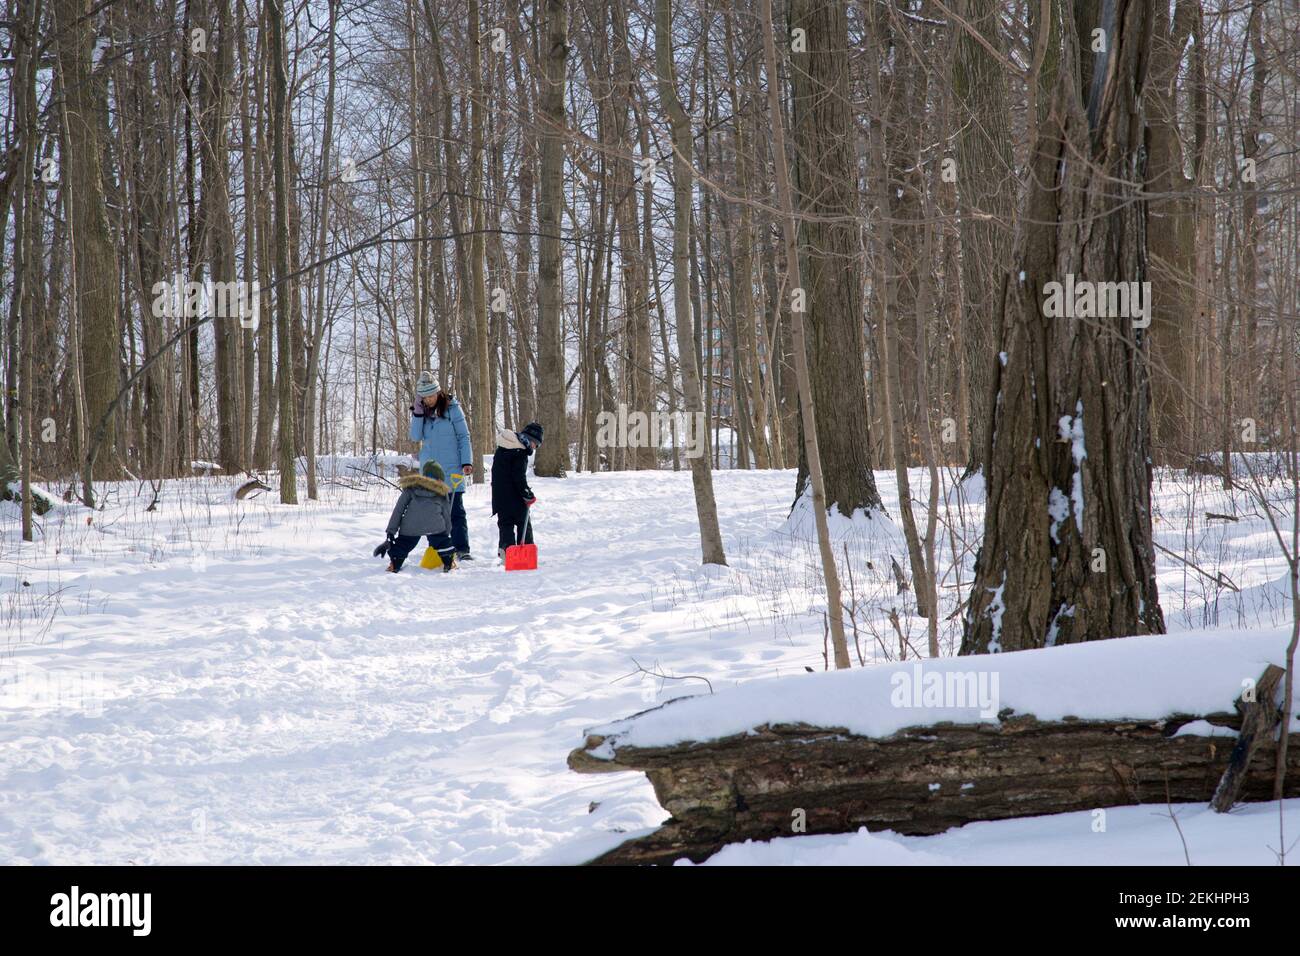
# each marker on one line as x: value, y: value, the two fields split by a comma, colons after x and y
x: 441, y: 402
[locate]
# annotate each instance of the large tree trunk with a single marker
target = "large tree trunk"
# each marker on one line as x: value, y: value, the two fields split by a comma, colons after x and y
x: 419, y: 289
x: 889, y: 314
x: 95, y: 271
x: 267, y: 400
x: 216, y: 65
x: 986, y: 193
x: 807, y: 403
x: 248, y: 357
x: 1067, y: 552
x: 1251, y: 226
x: 553, y: 455
x: 523, y: 288
x: 484, y: 410
x: 639, y: 346
x: 826, y: 181
x: 142, y: 110
x: 319, y: 318
x: 706, y: 507
x: 1171, y: 238
x: 748, y: 373
x: 11, y: 163
x: 903, y: 95
x: 297, y: 323
x: 284, y: 294
x: 20, y: 183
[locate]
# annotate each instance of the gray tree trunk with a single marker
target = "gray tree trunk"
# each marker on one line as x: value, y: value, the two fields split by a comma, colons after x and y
x: 553, y: 455
x: 95, y: 265
x: 986, y: 197
x: 1067, y: 552
x: 706, y: 507
x: 284, y: 288
x: 825, y: 180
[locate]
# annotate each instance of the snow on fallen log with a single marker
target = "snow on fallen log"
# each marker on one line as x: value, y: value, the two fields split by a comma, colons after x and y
x: 920, y: 747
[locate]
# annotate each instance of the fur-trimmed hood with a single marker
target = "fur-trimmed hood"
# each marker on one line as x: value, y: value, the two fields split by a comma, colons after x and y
x: 428, y: 484
x: 423, y: 508
x: 508, y: 439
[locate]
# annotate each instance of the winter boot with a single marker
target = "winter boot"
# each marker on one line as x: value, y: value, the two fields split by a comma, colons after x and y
x: 449, y: 562
x: 393, y: 567
x: 464, y: 556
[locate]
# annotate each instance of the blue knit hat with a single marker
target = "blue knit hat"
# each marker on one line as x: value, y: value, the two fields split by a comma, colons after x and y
x: 426, y: 386
x: 432, y: 470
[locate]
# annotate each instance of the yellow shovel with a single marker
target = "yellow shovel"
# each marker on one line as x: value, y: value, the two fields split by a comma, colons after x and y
x: 431, y: 560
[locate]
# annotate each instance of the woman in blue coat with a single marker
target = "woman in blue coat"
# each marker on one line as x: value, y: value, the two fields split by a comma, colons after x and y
x: 438, y: 424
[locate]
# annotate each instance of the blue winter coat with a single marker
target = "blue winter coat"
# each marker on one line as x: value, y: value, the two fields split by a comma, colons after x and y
x: 444, y: 440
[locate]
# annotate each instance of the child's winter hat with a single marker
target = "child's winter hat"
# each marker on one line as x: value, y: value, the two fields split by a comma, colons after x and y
x: 534, y: 431
x: 432, y: 470
x: 426, y: 386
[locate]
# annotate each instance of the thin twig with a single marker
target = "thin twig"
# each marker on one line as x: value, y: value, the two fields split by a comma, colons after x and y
x: 1169, y: 810
x: 1219, y: 578
x: 658, y: 672
x: 372, y: 475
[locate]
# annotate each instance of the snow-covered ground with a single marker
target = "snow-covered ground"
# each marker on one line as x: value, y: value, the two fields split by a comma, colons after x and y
x: 216, y: 681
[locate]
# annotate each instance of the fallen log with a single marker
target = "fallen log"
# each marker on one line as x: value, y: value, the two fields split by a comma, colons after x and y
x: 920, y: 780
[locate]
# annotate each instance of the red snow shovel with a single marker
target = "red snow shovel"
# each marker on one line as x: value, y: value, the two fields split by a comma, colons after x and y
x: 522, y: 557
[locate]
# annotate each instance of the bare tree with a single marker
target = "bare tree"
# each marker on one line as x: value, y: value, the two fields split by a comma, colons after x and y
x: 986, y: 192
x: 807, y: 400
x: 319, y: 319
x: 1171, y: 240
x: 553, y: 456
x: 1067, y: 554
x: 94, y: 253
x: 825, y: 178
x: 284, y: 284
x: 706, y: 507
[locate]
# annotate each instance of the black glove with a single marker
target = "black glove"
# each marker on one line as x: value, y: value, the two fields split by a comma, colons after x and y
x: 382, y: 550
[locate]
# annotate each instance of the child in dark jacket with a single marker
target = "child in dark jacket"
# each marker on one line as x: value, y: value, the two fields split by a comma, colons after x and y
x: 511, y: 496
x: 423, y: 509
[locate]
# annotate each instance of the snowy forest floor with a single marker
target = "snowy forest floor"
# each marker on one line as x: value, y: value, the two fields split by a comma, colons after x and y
x: 219, y: 682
